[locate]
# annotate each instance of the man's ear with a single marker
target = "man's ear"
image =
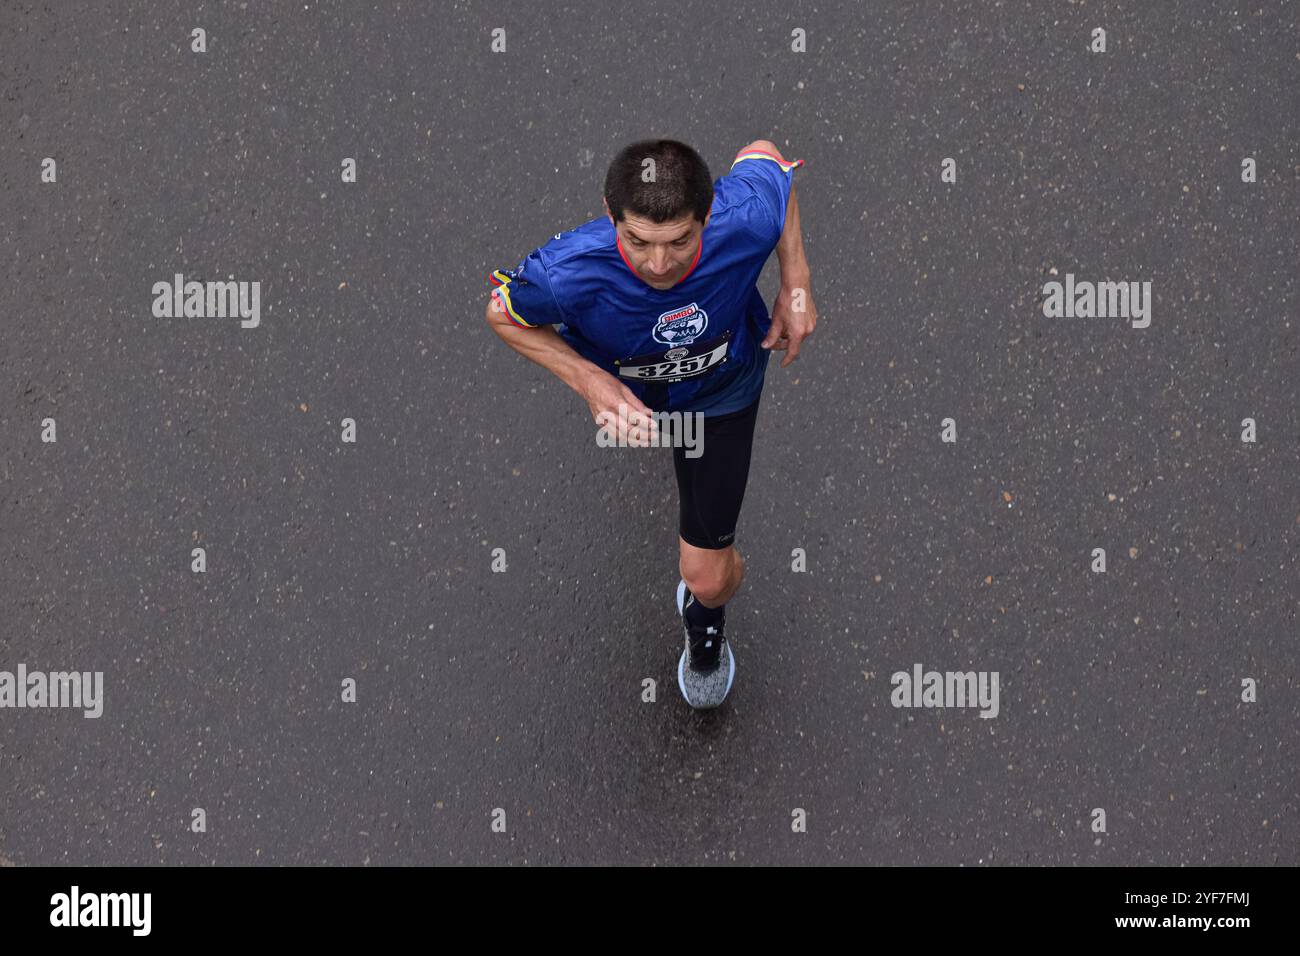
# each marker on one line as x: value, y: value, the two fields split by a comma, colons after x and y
x: 605, y: 202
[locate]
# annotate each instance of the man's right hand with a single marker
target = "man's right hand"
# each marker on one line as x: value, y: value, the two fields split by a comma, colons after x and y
x: 633, y: 424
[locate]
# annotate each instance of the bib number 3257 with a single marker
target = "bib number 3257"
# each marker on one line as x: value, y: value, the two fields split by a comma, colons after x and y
x: 675, y: 364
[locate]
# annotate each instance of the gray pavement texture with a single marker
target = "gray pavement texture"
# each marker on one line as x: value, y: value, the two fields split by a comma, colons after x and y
x: 523, y: 690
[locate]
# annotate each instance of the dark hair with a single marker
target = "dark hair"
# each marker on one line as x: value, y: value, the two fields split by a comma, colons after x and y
x: 682, y: 182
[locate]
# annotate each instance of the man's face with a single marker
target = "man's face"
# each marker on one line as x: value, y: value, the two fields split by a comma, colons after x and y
x: 659, y: 252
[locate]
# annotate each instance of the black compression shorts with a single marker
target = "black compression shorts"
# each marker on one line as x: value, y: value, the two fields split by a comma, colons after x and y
x: 711, y: 487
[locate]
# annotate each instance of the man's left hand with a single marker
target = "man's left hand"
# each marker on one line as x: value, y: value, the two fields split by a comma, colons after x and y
x: 793, y: 319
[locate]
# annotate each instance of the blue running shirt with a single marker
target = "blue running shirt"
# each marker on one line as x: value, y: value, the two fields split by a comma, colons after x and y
x: 691, y: 348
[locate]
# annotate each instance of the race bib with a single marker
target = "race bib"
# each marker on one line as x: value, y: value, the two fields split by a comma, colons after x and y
x: 677, y: 363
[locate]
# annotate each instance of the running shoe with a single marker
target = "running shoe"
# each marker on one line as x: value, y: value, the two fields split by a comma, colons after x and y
x: 706, y: 669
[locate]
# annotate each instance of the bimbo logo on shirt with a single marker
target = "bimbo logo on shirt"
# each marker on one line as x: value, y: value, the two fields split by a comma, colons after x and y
x: 681, y: 326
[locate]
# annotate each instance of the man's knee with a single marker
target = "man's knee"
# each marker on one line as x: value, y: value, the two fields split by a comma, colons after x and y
x: 710, y: 575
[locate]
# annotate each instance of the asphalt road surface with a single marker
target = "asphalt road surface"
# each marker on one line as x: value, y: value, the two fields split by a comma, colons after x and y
x: 519, y: 696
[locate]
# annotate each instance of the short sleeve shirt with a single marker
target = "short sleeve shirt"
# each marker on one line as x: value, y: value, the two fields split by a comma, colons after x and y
x: 691, y: 348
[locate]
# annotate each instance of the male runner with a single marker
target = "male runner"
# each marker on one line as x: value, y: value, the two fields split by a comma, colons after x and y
x: 658, y: 311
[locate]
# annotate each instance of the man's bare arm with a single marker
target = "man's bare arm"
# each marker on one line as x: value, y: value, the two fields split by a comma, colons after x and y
x: 795, y: 272
x: 546, y: 347
x: 612, y: 403
x: 794, y: 316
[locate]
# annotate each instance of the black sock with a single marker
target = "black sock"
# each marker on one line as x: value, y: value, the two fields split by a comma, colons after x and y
x: 698, y: 615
